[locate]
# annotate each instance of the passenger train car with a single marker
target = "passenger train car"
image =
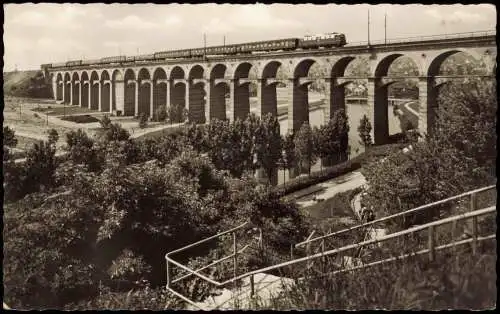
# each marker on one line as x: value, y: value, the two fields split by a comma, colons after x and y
x: 328, y: 40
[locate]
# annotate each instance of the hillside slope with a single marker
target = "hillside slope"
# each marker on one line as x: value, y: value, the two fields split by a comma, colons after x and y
x: 26, y: 84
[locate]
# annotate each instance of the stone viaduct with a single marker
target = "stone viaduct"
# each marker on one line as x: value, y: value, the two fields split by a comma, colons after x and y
x: 201, y: 85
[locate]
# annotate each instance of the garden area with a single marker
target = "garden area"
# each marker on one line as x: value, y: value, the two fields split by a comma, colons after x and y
x: 89, y: 230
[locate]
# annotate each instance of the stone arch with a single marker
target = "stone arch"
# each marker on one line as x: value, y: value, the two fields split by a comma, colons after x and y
x: 67, y: 88
x: 117, y: 75
x: 144, y: 89
x: 85, y: 89
x: 178, y: 87
x: 218, y: 91
x: 196, y: 94
x: 94, y: 90
x: 75, y: 90
x: 117, y: 91
x: 438, y: 60
x: 130, y: 92
x: 105, y: 91
x: 241, y: 90
x: 298, y: 113
x: 159, y: 88
x: 335, y: 97
x: 381, y: 93
x: 303, y: 66
x: 268, y: 99
x: 270, y: 69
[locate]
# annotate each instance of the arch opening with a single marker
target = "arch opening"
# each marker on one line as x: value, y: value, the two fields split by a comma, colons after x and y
x: 144, y: 88
x: 59, y: 88
x: 196, y: 95
x: 85, y: 89
x: 75, y: 89
x: 67, y: 88
x: 105, y: 91
x: 219, y: 91
x: 159, y: 90
x: 130, y: 93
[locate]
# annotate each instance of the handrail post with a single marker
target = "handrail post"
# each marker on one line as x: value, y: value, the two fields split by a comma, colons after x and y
x: 169, y: 274
x: 252, y: 287
x: 235, y: 260
x: 323, y: 252
x: 431, y: 243
x: 473, y: 206
x: 474, y: 235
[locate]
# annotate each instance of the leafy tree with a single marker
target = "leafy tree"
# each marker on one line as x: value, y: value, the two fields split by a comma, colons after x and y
x: 143, y: 120
x: 9, y: 138
x: 304, y: 149
x: 268, y: 146
x: 177, y: 113
x: 327, y: 142
x: 79, y: 145
x: 288, y: 158
x: 364, y: 129
x: 341, y: 122
x: 116, y: 133
x: 39, y: 167
x: 53, y: 136
x: 105, y: 122
x: 161, y: 113
x: 457, y: 157
x: 83, y: 150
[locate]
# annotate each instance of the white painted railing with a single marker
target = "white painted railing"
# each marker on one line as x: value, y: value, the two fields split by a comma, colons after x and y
x: 431, y: 249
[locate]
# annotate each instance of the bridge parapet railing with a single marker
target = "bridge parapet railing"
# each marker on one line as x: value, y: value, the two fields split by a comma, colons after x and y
x: 426, y: 38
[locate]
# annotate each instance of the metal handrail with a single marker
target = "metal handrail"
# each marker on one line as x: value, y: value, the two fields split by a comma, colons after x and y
x: 386, y: 218
x: 206, y: 239
x: 404, y: 256
x: 193, y: 272
x: 430, y: 226
x: 211, y: 264
x: 368, y: 242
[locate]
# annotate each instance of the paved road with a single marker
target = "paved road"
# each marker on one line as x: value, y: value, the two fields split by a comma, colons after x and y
x: 331, y: 187
x: 407, y: 106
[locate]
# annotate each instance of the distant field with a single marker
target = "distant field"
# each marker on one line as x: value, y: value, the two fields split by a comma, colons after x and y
x: 69, y: 110
x: 80, y: 119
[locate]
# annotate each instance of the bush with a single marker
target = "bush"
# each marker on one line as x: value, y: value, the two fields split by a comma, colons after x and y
x: 53, y: 136
x: 143, y: 120
x: 9, y: 138
x: 80, y: 119
x: 161, y: 113
x: 116, y: 133
x: 105, y: 122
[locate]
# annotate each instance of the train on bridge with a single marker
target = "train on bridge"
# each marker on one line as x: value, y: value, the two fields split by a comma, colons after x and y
x: 329, y: 40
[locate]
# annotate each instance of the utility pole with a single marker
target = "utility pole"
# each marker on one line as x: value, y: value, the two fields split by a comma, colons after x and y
x: 205, y: 45
x: 224, y: 40
x: 385, y: 28
x: 368, y: 27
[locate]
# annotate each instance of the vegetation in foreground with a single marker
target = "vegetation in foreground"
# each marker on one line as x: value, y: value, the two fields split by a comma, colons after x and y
x: 459, y: 156
x: 89, y: 230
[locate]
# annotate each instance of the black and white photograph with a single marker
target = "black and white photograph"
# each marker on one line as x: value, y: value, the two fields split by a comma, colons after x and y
x: 281, y: 156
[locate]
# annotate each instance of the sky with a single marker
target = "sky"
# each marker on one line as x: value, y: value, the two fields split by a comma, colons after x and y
x: 35, y: 34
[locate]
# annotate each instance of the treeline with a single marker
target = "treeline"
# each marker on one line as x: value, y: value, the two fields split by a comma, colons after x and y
x: 27, y: 84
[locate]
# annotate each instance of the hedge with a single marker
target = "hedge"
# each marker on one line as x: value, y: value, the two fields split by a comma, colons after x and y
x: 374, y: 153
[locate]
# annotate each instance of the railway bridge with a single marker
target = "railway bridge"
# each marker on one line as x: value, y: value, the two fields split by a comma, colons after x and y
x: 201, y: 85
